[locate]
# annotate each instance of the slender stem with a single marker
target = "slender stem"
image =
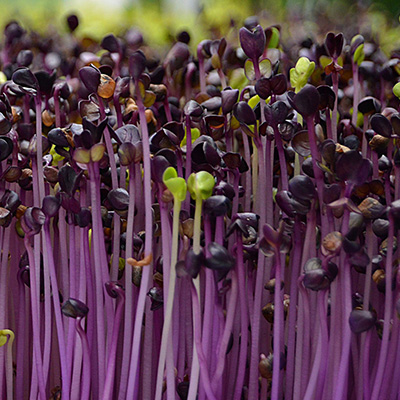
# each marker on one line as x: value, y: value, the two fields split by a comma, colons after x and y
x: 99, y: 262
x: 66, y: 381
x: 319, y: 176
x: 128, y: 318
x: 258, y: 291
x: 295, y: 271
x: 282, y: 159
x: 195, y: 369
x: 335, y: 83
x: 356, y: 93
x: 85, y: 394
x: 135, y: 354
x: 109, y: 384
x: 167, y: 332
x: 197, y: 336
x: 278, y: 319
x: 388, y: 313
x: 230, y: 317
x: 35, y: 319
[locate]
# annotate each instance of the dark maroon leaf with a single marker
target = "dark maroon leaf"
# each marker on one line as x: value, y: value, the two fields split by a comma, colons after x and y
x: 220, y: 259
x: 263, y: 87
x: 50, y: 206
x: 369, y: 105
x: 278, y: 84
x: 68, y: 179
x: 10, y: 200
x: 24, y: 58
x: 306, y: 102
x: 232, y: 160
x: 244, y: 113
x: 252, y: 42
x: 46, y: 81
x: 301, y: 144
x: 58, y: 137
x: 361, y: 321
x: 126, y: 153
x: 302, y: 188
x: 276, y: 113
x: 216, y: 206
x: 381, y: 125
x: 327, y: 97
x: 90, y: 77
x: 114, y: 289
x: 74, y: 308
x: 73, y: 22
x: 193, y: 263
x: 193, y: 109
x: 25, y: 78
x: 213, y: 104
x: 6, y: 147
x: 110, y: 43
x: 119, y: 199
x: 229, y: 98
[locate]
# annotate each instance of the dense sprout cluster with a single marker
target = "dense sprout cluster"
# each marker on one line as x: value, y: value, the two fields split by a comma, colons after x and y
x: 217, y: 225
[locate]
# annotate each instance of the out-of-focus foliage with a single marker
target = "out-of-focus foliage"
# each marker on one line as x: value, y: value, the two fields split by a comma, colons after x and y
x: 160, y: 21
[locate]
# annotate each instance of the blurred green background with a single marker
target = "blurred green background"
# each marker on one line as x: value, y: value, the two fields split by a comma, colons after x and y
x: 159, y: 20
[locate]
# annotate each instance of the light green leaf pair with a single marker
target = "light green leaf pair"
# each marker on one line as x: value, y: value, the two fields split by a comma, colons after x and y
x: 201, y: 185
x: 265, y: 69
x: 300, y: 74
x: 95, y: 154
x: 176, y: 185
x: 396, y: 90
x: 358, y: 56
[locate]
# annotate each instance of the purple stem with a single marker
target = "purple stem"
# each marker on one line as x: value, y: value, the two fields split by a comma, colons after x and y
x: 303, y: 343
x: 197, y: 337
x: 335, y: 83
x: 356, y: 93
x: 282, y: 158
x: 128, y: 287
x: 209, y: 299
x: 230, y: 316
x: 244, y: 318
x: 134, y: 363
x: 99, y: 263
x: 319, y: 176
x: 65, y: 376
x: 109, y: 383
x: 365, y: 367
x: 388, y: 313
x: 85, y: 393
x: 255, y: 332
x: 35, y: 319
x: 19, y: 380
x: 278, y: 320
x: 5, y: 245
x: 57, y: 106
x: 114, y: 182
x: 295, y: 271
x: 342, y: 377
x: 247, y: 174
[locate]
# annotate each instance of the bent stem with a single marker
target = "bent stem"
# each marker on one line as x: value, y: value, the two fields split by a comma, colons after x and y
x: 9, y: 365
